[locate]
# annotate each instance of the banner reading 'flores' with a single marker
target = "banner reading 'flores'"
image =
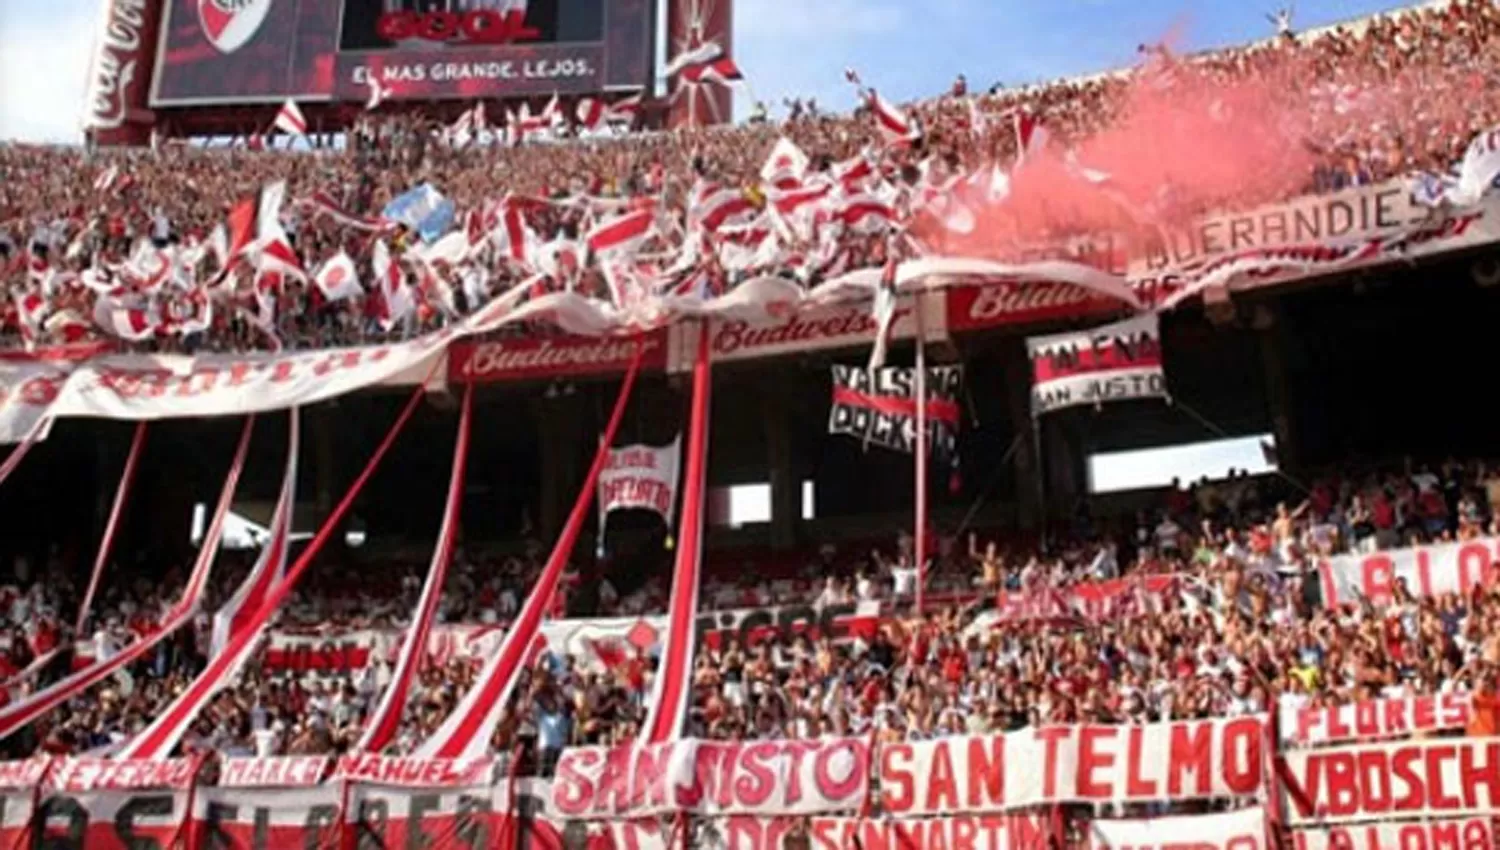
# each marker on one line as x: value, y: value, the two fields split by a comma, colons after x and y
x: 1115, y: 362
x: 880, y: 407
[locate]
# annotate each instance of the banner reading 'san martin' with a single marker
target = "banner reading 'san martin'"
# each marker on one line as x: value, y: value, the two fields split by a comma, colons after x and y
x: 880, y: 407
x: 1109, y: 363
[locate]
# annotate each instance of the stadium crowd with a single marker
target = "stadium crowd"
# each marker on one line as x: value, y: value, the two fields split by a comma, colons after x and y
x: 1242, y: 627
x: 1375, y: 99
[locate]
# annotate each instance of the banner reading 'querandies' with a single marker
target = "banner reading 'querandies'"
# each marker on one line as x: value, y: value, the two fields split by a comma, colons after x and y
x: 640, y: 477
x: 1114, y: 362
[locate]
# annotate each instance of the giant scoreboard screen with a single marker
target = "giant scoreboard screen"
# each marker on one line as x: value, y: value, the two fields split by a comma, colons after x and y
x: 254, y: 51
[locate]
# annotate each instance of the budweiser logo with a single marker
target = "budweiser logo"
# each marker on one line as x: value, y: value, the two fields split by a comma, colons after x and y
x: 570, y: 355
x: 991, y: 302
x: 800, y: 331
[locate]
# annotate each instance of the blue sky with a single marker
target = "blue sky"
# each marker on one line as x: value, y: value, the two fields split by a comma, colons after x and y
x: 786, y: 47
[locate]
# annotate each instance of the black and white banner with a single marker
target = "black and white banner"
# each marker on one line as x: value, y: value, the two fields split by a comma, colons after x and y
x: 1112, y: 362
x: 880, y: 407
x: 642, y: 477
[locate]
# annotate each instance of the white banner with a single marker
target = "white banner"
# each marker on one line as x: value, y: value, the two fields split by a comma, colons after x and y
x: 1434, y: 778
x: 1373, y: 719
x: 1240, y: 830
x: 27, y: 387
x: 981, y: 774
x: 1464, y: 834
x: 1112, y: 362
x: 1425, y: 571
x: 640, y: 477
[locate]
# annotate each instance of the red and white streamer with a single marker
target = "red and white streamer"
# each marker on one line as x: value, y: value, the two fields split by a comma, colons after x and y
x: 106, y: 547
x: 467, y: 730
x: 271, y: 565
x: 17, y: 715
x: 34, y: 435
x: 386, y: 719
x: 673, y: 685
x: 158, y: 740
x: 225, y: 664
x: 112, y: 525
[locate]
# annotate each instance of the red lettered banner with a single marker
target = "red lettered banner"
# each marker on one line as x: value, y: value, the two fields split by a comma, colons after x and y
x: 640, y: 477
x: 1241, y: 830
x: 283, y: 771
x: 1465, y: 834
x: 1114, y: 599
x: 1425, y: 570
x: 414, y: 772
x: 1057, y: 764
x: 1372, y: 719
x: 1112, y: 362
x: 713, y: 778
x: 1428, y: 778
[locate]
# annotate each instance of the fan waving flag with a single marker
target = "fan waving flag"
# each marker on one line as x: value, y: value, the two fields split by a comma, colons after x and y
x: 623, y: 232
x: 290, y: 121
x: 894, y: 125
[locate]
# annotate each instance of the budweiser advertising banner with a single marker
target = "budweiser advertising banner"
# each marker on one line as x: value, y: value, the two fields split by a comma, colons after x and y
x: 546, y: 357
x: 1458, y: 834
x: 1424, y: 570
x: 1430, y: 778
x: 1241, y: 830
x: 1372, y: 719
x: 880, y: 408
x: 994, y: 773
x: 640, y: 478
x: 1115, y: 362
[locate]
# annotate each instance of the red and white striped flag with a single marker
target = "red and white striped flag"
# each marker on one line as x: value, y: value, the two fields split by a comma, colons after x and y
x: 1031, y: 136
x: 593, y: 112
x: 106, y: 179
x: 865, y: 213
x: 289, y: 120
x: 786, y: 165
x: 396, y: 298
x: 385, y: 721
x: 121, y: 322
x: 624, y: 232
x: 894, y: 125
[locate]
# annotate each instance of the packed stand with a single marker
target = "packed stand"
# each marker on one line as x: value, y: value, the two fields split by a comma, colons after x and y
x: 1241, y: 629
x: 1392, y: 96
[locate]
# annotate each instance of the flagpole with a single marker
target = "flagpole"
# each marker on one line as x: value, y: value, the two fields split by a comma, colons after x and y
x: 919, y: 548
